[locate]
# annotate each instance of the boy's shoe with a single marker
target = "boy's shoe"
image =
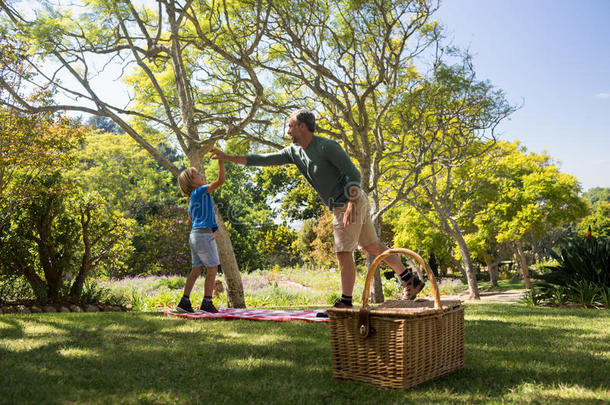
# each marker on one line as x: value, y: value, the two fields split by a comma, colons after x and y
x: 341, y: 304
x: 208, y: 306
x: 184, y: 306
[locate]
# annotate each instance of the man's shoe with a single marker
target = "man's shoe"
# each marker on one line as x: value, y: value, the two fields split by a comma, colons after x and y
x: 208, y: 306
x: 184, y: 307
x: 342, y: 304
x: 414, y: 287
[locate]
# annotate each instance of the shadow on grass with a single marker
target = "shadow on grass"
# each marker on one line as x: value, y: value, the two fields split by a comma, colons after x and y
x: 149, y: 358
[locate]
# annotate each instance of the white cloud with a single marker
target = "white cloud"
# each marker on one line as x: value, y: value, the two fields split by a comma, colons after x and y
x: 603, y: 95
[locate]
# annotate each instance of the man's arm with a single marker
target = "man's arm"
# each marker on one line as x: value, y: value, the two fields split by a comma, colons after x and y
x: 348, y: 215
x: 271, y: 159
x: 221, y: 177
x: 219, y: 155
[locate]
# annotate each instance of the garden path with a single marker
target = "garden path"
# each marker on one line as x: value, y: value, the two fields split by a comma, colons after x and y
x: 510, y: 296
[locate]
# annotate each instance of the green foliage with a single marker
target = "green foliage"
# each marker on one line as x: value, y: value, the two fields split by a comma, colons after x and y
x: 323, y: 247
x: 285, y: 185
x: 160, y: 244
x: 125, y: 174
x: 598, y: 221
x: 93, y: 293
x: 584, y: 292
x: 581, y: 259
x: 596, y: 195
x: 305, y: 238
x: 412, y: 231
x: 279, y: 245
x: 532, y: 297
x: 13, y: 287
x: 60, y: 234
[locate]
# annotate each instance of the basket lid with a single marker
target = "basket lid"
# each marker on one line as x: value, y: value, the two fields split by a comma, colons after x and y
x: 404, y: 308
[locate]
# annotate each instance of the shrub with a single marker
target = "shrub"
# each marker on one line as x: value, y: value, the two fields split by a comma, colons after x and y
x: 581, y: 273
x: 61, y: 236
x: 581, y: 259
x: 161, y: 244
x: 533, y: 297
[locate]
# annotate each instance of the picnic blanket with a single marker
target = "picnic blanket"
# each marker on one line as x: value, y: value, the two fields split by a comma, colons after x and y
x: 256, y: 314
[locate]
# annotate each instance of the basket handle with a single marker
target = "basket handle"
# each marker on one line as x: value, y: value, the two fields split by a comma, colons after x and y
x: 407, y: 252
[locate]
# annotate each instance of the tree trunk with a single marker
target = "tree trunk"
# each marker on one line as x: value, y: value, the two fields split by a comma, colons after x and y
x: 235, y: 289
x: 38, y: 286
x: 492, y: 267
x: 458, y: 265
x: 522, y: 263
x: 473, y: 286
x: 376, y: 287
x: 77, y: 286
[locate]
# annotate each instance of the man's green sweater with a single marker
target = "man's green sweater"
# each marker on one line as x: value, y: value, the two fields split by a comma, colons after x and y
x: 324, y: 163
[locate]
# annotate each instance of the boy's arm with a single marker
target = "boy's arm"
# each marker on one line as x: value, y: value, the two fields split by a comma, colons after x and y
x: 221, y: 177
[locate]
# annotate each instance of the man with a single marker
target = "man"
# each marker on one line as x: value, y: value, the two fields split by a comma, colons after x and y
x: 329, y: 170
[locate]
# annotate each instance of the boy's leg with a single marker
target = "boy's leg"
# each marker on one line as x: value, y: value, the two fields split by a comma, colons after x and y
x: 185, y: 302
x: 190, y: 280
x: 210, y: 278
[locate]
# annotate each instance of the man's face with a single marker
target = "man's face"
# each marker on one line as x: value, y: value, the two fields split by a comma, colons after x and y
x: 295, y: 130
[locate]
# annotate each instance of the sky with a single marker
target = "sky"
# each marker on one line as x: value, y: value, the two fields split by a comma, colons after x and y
x: 552, y: 58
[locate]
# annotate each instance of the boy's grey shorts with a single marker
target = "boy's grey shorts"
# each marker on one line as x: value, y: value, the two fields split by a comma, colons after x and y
x: 204, y: 251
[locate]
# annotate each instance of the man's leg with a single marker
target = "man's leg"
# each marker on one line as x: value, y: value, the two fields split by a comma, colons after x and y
x: 377, y: 248
x: 410, y: 282
x: 348, y: 272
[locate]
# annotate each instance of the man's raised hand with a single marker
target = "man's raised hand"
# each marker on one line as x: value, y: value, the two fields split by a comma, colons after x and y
x: 217, y: 154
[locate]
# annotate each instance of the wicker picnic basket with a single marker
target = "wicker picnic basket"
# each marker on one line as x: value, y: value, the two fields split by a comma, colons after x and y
x: 399, y: 344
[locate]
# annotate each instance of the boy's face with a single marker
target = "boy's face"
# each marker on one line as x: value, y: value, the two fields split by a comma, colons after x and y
x: 197, y: 179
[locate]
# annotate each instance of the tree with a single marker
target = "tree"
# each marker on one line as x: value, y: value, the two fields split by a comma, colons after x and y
x: 442, y: 129
x: 352, y: 59
x: 599, y: 219
x: 191, y: 68
x: 30, y: 144
x: 411, y: 230
x: 62, y: 232
x: 129, y: 179
x: 285, y: 186
x: 305, y: 238
x: 528, y: 196
x: 597, y: 194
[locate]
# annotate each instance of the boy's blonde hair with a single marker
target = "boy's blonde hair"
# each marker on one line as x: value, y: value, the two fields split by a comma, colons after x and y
x: 185, y: 181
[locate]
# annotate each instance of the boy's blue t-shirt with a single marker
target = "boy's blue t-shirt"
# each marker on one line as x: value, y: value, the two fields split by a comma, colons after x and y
x: 201, y: 209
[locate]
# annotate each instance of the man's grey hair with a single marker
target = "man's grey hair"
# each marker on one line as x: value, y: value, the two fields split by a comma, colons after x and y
x: 307, y: 117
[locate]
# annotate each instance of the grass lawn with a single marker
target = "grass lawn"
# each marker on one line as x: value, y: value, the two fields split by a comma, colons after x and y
x: 503, y: 285
x: 514, y: 353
